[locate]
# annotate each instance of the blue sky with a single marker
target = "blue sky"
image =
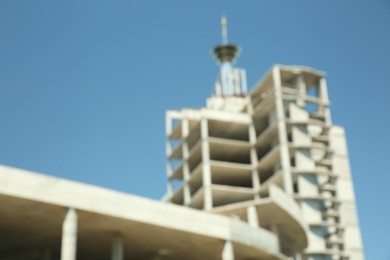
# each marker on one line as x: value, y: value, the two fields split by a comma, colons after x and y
x: 84, y: 85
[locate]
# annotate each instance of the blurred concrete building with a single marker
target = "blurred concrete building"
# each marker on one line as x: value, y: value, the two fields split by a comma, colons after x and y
x: 243, y: 152
x: 258, y: 175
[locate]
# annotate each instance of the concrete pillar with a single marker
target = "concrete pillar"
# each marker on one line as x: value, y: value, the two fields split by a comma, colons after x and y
x: 252, y: 216
x: 323, y: 91
x: 186, y: 167
x: 168, y: 123
x: 169, y: 171
x: 301, y: 86
x: 323, y: 95
x: 275, y: 230
x: 168, y: 147
x: 69, y: 235
x: 282, y: 132
x: 296, y: 254
x: 249, y: 105
x: 117, y: 247
x: 169, y: 189
x: 206, y: 171
x: 228, y: 251
x: 254, y: 161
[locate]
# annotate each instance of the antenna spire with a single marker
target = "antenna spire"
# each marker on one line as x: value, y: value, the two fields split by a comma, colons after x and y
x: 224, y: 25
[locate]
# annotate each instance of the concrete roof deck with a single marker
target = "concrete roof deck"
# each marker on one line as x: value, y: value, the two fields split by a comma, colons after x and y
x: 311, y: 76
x: 33, y: 206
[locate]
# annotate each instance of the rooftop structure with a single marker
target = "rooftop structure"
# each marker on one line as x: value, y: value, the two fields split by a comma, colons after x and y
x: 258, y: 175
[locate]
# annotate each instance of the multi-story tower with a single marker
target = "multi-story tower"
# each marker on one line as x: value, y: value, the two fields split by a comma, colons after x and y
x: 276, y: 143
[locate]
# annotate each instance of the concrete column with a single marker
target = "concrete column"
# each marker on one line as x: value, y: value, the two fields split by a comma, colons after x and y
x: 186, y: 167
x: 253, y: 219
x: 228, y: 251
x: 254, y: 161
x: 206, y: 171
x: 169, y: 175
x: 169, y: 189
x: 323, y: 91
x: 168, y: 123
x: 282, y: 132
x: 168, y: 147
x: 117, y: 247
x: 249, y: 105
x: 323, y: 95
x: 69, y: 235
x: 296, y: 254
x: 301, y: 86
x: 275, y: 230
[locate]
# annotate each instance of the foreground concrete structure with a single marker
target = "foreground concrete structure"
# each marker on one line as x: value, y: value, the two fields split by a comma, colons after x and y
x: 258, y: 175
x: 50, y: 218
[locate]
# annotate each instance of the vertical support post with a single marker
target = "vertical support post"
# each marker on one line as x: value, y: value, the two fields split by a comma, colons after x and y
x: 275, y: 230
x: 254, y: 161
x: 69, y: 235
x: 301, y: 86
x: 168, y: 129
x: 323, y: 95
x: 117, y: 247
x: 186, y: 167
x: 228, y: 251
x: 206, y: 171
x: 282, y: 132
x: 296, y: 254
x: 249, y: 105
x: 253, y: 219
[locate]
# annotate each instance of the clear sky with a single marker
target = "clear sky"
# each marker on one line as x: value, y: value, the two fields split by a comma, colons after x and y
x: 84, y: 85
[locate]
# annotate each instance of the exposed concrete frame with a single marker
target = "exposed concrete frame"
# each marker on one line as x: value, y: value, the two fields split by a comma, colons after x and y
x: 106, y: 203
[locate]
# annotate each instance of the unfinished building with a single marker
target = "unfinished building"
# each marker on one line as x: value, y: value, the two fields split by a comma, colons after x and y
x: 258, y: 175
x: 244, y: 151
